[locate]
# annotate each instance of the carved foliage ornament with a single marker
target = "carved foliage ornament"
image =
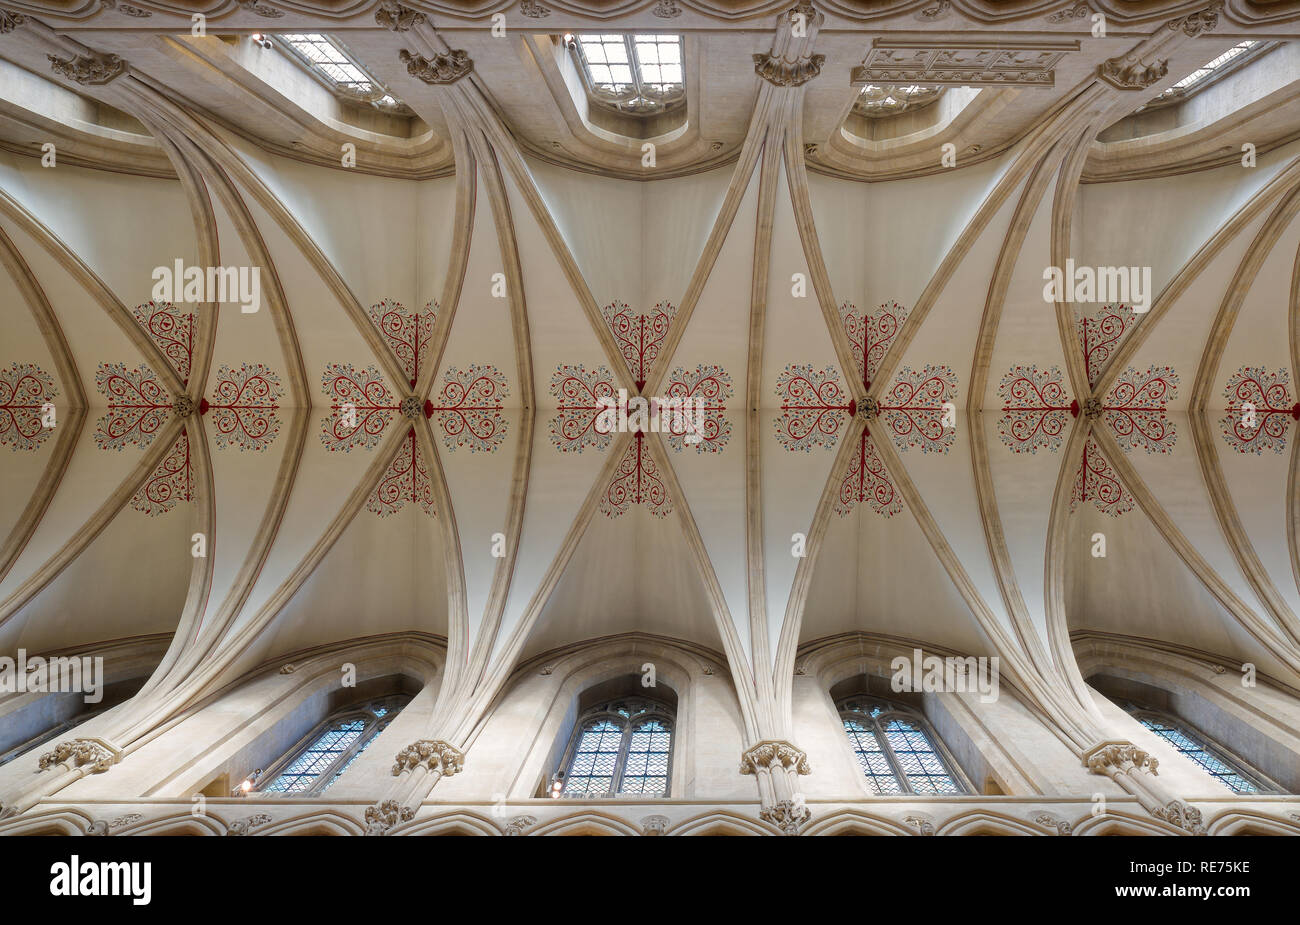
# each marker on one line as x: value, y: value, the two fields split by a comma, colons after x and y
x: 783, y: 72
x: 446, y: 68
x: 1178, y: 813
x: 93, y: 69
x: 242, y: 826
x: 787, y: 815
x: 383, y: 816
x: 397, y: 18
x: 1194, y: 24
x: 1078, y: 11
x: 89, y: 753
x: 434, y: 754
x: 517, y: 825
x: 533, y: 10
x: 770, y: 753
x: 667, y: 9
x: 1131, y: 73
x: 105, y: 827
x: 1119, y: 758
x: 654, y: 825
x: 10, y: 21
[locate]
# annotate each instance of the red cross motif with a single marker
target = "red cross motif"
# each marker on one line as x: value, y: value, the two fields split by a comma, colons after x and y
x: 25, y: 390
x: 1259, y: 412
x: 636, y: 481
x: 406, y: 479
x: 172, y: 481
x: 468, y: 408
x: 639, y: 335
x: 407, y: 333
x: 1097, y: 482
x: 1100, y: 334
x: 172, y: 331
x: 871, y: 335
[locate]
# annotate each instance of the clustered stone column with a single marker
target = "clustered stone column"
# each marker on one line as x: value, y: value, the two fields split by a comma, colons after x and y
x: 1135, y: 771
x: 777, y: 766
x: 419, y: 766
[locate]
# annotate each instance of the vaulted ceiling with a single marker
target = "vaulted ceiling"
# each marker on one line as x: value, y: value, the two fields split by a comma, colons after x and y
x: 903, y: 436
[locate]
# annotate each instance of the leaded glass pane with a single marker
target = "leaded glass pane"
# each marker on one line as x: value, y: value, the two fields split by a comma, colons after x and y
x: 646, y: 770
x: 886, y: 743
x: 303, y: 771
x: 1199, y: 752
x: 595, y: 759
x: 871, y: 757
x: 641, y: 73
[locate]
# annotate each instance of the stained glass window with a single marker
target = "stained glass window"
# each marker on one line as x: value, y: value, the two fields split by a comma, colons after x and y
x: 328, y: 60
x: 1197, y: 748
x: 621, y: 747
x: 310, y: 770
x: 896, y: 749
x: 633, y: 73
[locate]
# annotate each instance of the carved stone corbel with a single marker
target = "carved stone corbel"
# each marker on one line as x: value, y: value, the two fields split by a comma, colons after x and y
x: 785, y: 72
x: 1047, y: 820
x: 1177, y: 812
x: 95, y: 755
x: 445, y: 68
x: 381, y: 817
x: 654, y: 825
x: 241, y: 826
x: 435, y: 754
x: 774, y: 753
x: 93, y: 69
x: 10, y: 21
x: 517, y: 825
x: 786, y: 815
x: 1196, y: 23
x: 1113, y: 759
x: 397, y: 18
x: 1129, y: 73
x: 922, y: 825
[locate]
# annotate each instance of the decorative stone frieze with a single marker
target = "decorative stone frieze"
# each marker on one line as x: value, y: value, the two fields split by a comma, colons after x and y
x: 517, y: 825
x: 786, y: 815
x: 442, y: 69
x: 434, y: 754
x: 1129, y: 73
x: 126, y: 9
x: 242, y: 826
x: 772, y: 753
x: 93, y: 69
x: 1196, y: 23
x: 397, y: 18
x: 784, y: 72
x: 95, y: 755
x: 654, y: 825
x: 967, y: 63
x: 1078, y: 11
x: 381, y: 817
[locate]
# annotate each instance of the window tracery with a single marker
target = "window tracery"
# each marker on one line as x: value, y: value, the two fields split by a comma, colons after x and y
x: 328, y: 61
x: 641, y: 74
x: 621, y: 747
x: 1191, y: 744
x: 311, y: 768
x: 896, y: 748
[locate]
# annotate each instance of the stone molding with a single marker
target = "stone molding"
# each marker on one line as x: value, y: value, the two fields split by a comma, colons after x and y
x: 965, y: 63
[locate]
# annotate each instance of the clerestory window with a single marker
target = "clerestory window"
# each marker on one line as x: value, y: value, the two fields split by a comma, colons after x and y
x: 641, y: 73
x: 896, y: 748
x: 328, y: 61
x: 322, y: 756
x: 621, y: 747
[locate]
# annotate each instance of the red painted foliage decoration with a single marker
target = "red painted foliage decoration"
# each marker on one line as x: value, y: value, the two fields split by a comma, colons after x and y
x: 137, y: 406
x: 406, y: 479
x: 243, y: 407
x: 407, y: 333
x: 577, y: 392
x: 813, y: 407
x: 25, y: 391
x: 172, y: 481
x: 1136, y: 409
x: 867, y: 482
x: 1096, y: 482
x: 639, y: 335
x: 1035, y: 409
x: 636, y: 481
x: 871, y: 335
x: 361, y: 407
x: 172, y: 331
x: 711, y: 387
x: 1259, y: 411
x: 469, y: 408
x: 1100, y: 334
x: 914, y: 409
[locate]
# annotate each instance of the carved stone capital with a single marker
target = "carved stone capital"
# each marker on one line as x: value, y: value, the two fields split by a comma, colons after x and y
x: 787, y: 815
x: 446, y: 68
x: 1129, y: 73
x: 773, y: 753
x: 1194, y: 24
x: 95, y: 755
x: 1112, y: 758
x: 517, y: 825
x: 1187, y: 818
x: 93, y: 69
x: 381, y: 817
x: 783, y: 72
x: 241, y: 826
x: 397, y: 18
x: 434, y: 754
x: 654, y: 825
x: 10, y: 21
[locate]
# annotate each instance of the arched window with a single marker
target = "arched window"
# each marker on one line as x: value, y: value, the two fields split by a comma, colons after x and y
x: 622, y: 746
x: 1211, y: 759
x: 876, y: 101
x: 896, y: 748
x: 321, y: 757
x: 633, y: 73
x: 335, y: 67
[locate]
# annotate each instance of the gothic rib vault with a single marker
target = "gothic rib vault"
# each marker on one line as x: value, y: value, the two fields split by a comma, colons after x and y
x: 393, y: 461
